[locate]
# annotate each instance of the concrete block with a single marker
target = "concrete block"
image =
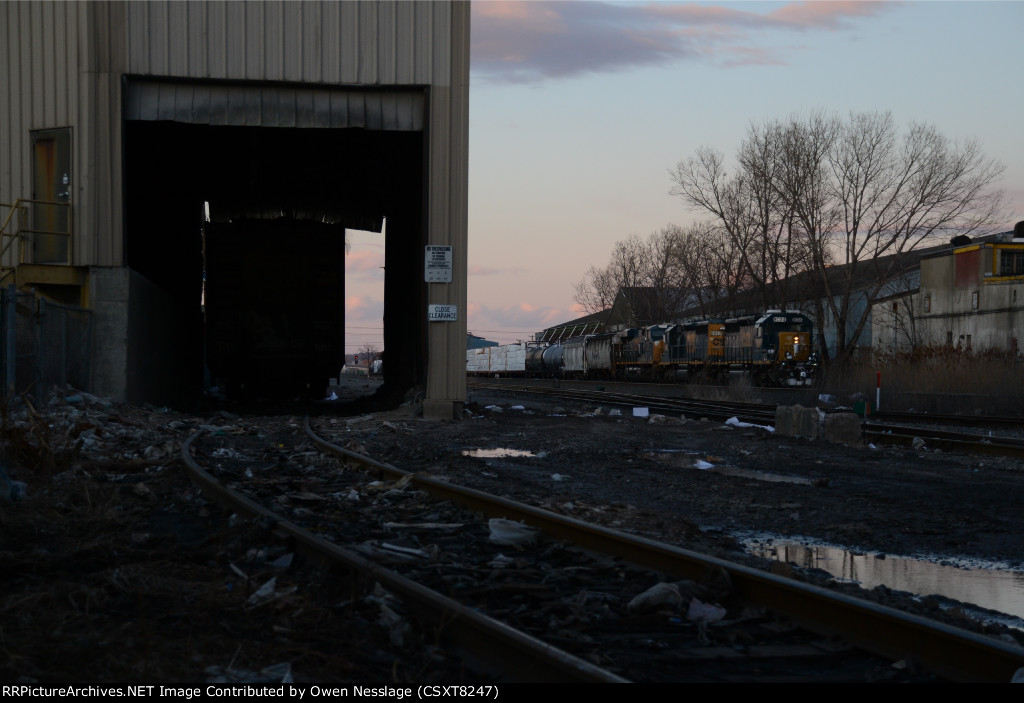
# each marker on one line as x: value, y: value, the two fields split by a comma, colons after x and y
x: 797, y: 421
x: 784, y: 420
x: 807, y: 422
x: 843, y: 428
x: 438, y: 409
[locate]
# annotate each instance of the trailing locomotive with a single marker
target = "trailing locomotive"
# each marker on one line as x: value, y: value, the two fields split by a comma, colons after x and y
x: 774, y: 348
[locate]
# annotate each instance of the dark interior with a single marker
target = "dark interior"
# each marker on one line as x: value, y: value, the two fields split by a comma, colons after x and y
x: 336, y: 178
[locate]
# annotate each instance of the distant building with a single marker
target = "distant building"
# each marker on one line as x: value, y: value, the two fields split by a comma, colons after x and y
x: 634, y: 306
x: 474, y: 342
x: 969, y: 296
x: 588, y: 324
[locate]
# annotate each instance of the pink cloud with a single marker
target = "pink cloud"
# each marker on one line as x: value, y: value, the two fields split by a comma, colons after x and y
x: 530, y: 41
x: 518, y: 321
x: 362, y: 261
x: 363, y: 308
x: 828, y: 15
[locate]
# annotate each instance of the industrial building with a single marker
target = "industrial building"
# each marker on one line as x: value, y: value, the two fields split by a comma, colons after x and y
x: 133, y: 133
x: 968, y: 295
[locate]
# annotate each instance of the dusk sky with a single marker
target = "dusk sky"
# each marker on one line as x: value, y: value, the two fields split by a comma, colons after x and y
x: 579, y: 109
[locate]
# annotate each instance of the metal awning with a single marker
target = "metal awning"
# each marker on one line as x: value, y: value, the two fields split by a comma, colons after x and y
x: 263, y: 105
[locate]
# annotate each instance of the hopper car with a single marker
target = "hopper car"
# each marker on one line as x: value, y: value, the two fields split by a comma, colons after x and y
x: 275, y: 324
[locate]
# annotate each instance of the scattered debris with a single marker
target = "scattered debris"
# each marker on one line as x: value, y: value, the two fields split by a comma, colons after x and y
x: 704, y: 612
x: 658, y: 595
x: 735, y: 422
x: 509, y: 532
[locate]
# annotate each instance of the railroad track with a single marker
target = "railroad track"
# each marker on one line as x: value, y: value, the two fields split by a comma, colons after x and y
x: 764, y: 414
x: 756, y: 413
x: 673, y: 391
x: 558, y: 610
x: 944, y: 440
x: 1013, y: 423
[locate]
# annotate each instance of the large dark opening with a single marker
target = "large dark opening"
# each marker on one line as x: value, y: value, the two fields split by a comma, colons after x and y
x: 276, y: 198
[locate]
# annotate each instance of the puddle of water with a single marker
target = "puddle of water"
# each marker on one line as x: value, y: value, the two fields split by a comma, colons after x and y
x: 495, y: 453
x: 692, y: 460
x: 1002, y: 591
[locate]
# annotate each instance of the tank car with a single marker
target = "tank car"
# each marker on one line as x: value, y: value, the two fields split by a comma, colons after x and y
x: 543, y: 360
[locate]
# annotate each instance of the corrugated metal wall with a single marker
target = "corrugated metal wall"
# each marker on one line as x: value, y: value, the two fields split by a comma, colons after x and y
x: 56, y: 70
x: 61, y: 65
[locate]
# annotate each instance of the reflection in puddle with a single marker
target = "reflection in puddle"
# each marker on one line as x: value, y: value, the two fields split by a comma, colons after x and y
x: 495, y: 453
x: 693, y: 460
x: 1002, y: 591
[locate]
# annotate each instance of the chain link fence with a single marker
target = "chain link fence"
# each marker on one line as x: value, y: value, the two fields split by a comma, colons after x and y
x: 42, y: 344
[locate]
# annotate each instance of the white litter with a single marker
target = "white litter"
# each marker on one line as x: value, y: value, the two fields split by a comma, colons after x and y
x: 510, y: 532
x: 656, y: 596
x: 735, y: 422
x: 501, y: 561
x: 641, y: 412
x: 701, y: 464
x: 704, y: 612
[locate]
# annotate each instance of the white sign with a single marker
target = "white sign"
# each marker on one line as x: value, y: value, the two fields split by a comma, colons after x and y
x: 442, y: 313
x: 438, y: 264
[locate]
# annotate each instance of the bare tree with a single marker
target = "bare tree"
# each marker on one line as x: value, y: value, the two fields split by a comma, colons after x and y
x: 649, y: 263
x: 896, y: 195
x: 596, y: 291
x: 816, y: 190
x: 368, y: 353
x: 709, y: 265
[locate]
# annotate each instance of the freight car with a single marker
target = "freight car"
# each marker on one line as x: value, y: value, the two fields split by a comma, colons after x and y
x: 274, y: 326
x: 775, y: 348
x: 504, y: 360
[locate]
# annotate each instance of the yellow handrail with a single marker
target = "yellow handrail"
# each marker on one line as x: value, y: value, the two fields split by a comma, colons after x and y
x: 20, y: 206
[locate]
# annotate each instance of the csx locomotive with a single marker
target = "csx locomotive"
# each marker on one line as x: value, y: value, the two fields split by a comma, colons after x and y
x: 774, y: 348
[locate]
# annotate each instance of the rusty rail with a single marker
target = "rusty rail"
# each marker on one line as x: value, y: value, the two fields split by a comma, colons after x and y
x: 510, y: 651
x: 949, y: 652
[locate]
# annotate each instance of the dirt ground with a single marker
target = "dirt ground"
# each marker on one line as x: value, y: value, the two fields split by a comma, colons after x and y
x: 114, y: 568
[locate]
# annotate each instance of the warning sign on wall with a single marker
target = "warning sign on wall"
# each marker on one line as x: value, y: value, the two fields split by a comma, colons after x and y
x: 438, y: 264
x: 442, y: 313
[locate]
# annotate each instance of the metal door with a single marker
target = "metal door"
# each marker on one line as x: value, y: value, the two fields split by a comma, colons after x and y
x: 51, y: 196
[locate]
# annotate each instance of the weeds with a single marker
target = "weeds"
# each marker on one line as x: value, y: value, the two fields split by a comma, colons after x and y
x: 30, y: 441
x: 935, y: 379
